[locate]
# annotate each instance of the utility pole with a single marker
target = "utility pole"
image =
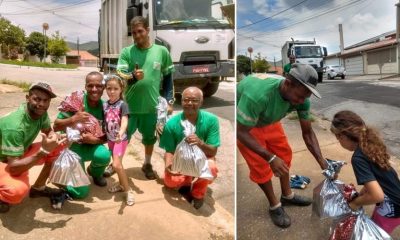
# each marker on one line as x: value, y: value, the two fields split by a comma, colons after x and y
x: 398, y: 35
x: 341, y: 43
x: 274, y: 63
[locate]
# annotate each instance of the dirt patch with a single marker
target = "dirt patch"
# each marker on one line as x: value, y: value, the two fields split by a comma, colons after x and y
x: 6, y: 88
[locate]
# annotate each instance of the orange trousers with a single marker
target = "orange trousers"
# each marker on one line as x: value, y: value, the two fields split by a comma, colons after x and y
x: 272, y: 137
x: 13, y: 189
x: 199, y: 187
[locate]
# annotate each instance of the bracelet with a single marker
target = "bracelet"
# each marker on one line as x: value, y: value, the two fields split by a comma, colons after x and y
x: 272, y: 159
x: 44, y: 151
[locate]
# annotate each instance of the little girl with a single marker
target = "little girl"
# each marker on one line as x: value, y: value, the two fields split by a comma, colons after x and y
x: 116, y: 122
x: 371, y: 167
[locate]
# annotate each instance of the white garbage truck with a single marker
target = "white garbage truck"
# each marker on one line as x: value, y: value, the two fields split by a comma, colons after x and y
x: 196, y: 32
x: 306, y: 52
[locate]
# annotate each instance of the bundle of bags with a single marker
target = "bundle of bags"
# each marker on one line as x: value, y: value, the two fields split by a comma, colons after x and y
x: 356, y: 225
x: 189, y: 159
x: 162, y: 113
x: 67, y: 169
x: 74, y: 103
x: 331, y: 200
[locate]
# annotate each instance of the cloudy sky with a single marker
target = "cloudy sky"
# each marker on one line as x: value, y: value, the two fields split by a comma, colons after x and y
x: 72, y: 18
x: 309, y: 19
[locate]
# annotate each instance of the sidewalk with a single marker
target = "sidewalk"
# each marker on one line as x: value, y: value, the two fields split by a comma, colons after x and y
x: 159, y: 213
x: 253, y: 220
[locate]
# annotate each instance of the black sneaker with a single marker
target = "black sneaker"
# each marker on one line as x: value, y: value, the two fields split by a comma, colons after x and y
x: 148, y: 171
x: 280, y: 218
x: 57, y: 200
x: 296, y: 200
x: 47, y: 192
x: 184, y: 190
x: 4, y: 207
x: 198, y: 203
x: 99, y: 181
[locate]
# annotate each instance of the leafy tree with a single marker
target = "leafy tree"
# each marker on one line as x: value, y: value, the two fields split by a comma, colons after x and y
x: 260, y: 64
x: 243, y: 64
x: 35, y: 44
x: 58, y: 47
x: 12, y: 38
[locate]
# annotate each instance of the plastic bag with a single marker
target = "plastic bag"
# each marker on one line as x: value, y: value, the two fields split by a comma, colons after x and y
x: 328, y: 199
x: 189, y: 159
x: 162, y: 111
x: 67, y: 169
x: 357, y: 226
x: 74, y: 103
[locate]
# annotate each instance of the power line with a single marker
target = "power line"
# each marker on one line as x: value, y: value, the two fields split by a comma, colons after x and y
x: 263, y: 19
x: 19, y: 12
x: 307, y: 19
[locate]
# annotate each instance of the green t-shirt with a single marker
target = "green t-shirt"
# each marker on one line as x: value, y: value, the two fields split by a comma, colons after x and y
x: 207, y: 129
x: 259, y: 103
x: 287, y: 67
x: 18, y: 131
x: 142, y: 96
x: 97, y: 111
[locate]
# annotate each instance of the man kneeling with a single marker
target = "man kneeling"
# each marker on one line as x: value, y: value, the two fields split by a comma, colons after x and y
x: 206, y: 138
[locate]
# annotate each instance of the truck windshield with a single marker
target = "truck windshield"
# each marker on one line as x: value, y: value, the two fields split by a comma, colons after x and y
x: 171, y: 14
x: 308, y: 52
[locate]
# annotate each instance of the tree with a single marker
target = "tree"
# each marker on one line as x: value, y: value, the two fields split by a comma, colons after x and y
x: 260, y: 64
x: 35, y: 44
x: 243, y: 64
x: 12, y: 38
x: 57, y: 47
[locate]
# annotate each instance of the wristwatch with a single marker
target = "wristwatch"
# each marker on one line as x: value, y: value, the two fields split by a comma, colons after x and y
x: 171, y: 102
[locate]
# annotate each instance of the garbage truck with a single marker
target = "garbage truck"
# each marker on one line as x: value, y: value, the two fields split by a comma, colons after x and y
x: 306, y: 52
x: 197, y: 34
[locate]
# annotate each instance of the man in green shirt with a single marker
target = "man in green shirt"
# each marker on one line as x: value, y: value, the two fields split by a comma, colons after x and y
x: 91, y: 148
x: 261, y: 104
x: 287, y: 67
x: 145, y: 65
x: 206, y: 138
x: 18, y: 153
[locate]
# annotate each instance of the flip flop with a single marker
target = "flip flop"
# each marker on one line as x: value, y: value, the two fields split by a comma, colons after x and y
x: 297, y: 184
x: 304, y: 179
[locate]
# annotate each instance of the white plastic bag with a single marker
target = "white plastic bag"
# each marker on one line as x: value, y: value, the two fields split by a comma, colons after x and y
x: 189, y: 159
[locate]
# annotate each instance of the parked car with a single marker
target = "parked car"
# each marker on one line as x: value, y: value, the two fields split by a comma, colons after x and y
x: 333, y: 71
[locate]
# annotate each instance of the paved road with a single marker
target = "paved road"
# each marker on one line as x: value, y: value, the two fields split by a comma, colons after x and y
x: 375, y: 100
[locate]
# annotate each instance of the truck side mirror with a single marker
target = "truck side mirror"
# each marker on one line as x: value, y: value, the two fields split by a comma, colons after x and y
x: 130, y: 13
x: 325, y: 51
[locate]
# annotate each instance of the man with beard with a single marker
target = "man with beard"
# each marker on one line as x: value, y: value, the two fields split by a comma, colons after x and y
x: 18, y: 153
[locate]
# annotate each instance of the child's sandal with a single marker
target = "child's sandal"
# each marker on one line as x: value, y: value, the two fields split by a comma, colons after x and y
x: 130, y: 198
x: 116, y: 188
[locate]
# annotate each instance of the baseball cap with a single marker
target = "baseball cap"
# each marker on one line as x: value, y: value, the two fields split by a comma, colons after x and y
x: 44, y: 87
x: 306, y: 75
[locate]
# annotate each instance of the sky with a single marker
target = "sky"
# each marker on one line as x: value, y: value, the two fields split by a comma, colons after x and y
x: 73, y: 18
x: 309, y: 19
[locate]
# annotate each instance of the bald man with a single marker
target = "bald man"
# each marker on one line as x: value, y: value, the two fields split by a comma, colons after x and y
x: 206, y: 138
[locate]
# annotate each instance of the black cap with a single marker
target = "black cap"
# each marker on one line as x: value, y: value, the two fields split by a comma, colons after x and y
x: 306, y: 75
x: 44, y: 87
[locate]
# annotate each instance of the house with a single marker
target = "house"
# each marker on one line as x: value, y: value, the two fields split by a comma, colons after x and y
x: 376, y: 55
x: 84, y: 59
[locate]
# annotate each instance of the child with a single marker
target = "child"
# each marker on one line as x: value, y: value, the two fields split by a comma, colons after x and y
x: 371, y: 167
x: 116, y: 121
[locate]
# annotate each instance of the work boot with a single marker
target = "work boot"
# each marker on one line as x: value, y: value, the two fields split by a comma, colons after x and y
x: 198, y: 203
x: 99, y: 181
x: 47, y: 192
x: 148, y: 171
x: 297, y: 200
x: 280, y: 218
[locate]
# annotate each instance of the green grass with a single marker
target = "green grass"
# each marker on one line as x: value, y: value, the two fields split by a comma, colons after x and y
x: 39, y: 64
x: 23, y: 85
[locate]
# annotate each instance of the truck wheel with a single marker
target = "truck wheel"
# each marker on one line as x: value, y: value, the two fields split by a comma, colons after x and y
x: 343, y: 76
x: 320, y: 76
x: 210, y: 89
